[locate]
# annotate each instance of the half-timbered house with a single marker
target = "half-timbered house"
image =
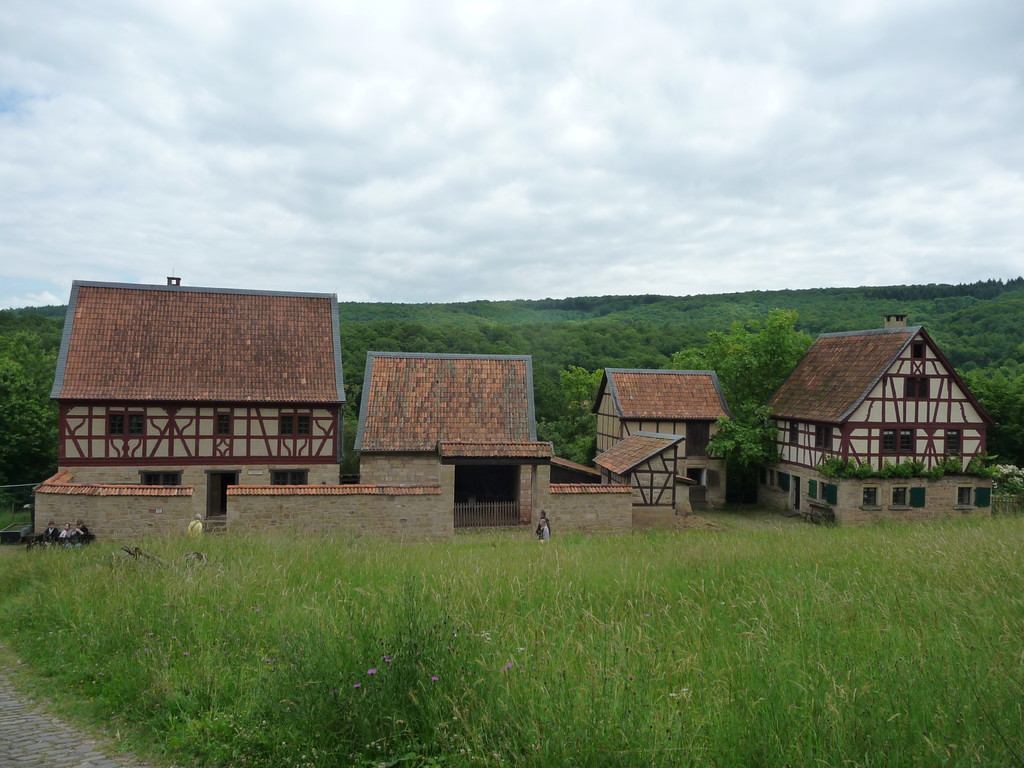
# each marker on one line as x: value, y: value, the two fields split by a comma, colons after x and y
x: 465, y: 422
x: 880, y: 398
x: 195, y: 389
x: 648, y: 462
x: 686, y: 404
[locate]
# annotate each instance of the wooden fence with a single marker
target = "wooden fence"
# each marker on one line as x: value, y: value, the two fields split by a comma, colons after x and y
x: 486, y: 514
x: 1007, y: 505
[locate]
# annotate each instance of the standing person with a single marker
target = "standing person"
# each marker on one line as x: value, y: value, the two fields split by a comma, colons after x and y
x: 545, y: 530
x: 195, y: 528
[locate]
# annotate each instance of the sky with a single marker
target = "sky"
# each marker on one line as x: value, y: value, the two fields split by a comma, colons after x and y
x: 450, y: 151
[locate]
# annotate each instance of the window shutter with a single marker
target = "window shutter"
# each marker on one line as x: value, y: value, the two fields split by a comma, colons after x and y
x: 831, y: 493
x: 812, y: 489
x: 783, y: 481
x: 982, y: 497
x: 917, y: 497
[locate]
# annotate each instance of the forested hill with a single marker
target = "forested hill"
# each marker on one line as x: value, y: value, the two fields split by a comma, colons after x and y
x: 977, y: 324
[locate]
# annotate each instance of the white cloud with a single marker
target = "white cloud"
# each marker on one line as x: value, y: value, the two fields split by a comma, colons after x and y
x: 407, y: 152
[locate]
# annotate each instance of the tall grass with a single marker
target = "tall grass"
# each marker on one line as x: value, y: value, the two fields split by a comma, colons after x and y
x: 891, y: 645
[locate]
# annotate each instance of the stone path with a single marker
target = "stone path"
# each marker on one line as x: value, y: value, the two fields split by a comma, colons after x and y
x: 30, y: 738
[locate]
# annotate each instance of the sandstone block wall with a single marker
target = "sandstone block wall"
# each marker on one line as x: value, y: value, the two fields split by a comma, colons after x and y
x: 119, y: 518
x: 399, y: 516
x: 589, y: 512
x: 391, y: 468
x: 940, y: 497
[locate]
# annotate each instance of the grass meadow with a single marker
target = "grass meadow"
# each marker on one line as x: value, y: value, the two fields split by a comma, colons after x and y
x: 753, y: 645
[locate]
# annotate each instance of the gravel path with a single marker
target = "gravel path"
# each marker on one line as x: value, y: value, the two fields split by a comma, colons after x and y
x: 31, y: 738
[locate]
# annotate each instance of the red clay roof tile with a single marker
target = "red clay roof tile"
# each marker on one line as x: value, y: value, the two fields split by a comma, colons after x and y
x: 532, y: 450
x: 140, y: 342
x: 637, y: 448
x: 837, y: 372
x: 581, y: 488
x: 665, y: 395
x: 411, y: 402
x: 398, y: 489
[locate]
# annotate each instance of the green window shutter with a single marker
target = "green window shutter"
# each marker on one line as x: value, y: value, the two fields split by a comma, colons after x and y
x: 982, y: 497
x: 831, y: 493
x: 783, y: 481
x: 917, y: 497
x: 812, y: 489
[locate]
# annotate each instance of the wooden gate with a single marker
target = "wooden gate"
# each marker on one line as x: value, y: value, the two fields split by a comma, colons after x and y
x: 486, y: 514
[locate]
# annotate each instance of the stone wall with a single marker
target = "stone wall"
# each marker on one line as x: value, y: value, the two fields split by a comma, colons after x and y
x: 195, y: 476
x: 589, y: 508
x: 940, y: 496
x: 397, y: 512
x: 117, y: 518
x: 392, y: 468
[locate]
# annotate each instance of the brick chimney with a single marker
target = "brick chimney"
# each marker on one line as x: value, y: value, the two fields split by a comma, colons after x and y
x: 895, y: 321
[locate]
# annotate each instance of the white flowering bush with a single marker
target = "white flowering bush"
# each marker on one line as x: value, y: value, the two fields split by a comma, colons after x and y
x: 1008, y: 480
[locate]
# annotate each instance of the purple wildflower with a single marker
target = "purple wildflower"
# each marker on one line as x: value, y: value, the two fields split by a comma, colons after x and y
x: 371, y: 671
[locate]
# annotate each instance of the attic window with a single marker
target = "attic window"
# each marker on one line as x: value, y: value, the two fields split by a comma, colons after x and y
x: 917, y: 350
x: 125, y: 423
x: 794, y: 432
x: 916, y: 388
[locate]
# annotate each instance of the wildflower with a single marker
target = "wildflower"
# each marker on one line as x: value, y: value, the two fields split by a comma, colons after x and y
x: 371, y: 671
x: 435, y: 678
x: 358, y: 685
x: 509, y: 666
x: 387, y: 659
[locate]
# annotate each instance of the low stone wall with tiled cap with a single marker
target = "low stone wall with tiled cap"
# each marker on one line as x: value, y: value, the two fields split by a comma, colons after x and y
x: 403, y: 511
x: 589, y: 508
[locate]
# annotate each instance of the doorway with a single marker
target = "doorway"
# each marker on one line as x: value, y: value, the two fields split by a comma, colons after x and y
x: 217, y: 483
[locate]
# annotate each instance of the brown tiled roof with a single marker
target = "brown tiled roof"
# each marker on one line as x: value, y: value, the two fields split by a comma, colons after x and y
x: 534, y: 450
x: 558, y: 460
x: 626, y: 454
x: 397, y: 489
x: 837, y: 373
x: 558, y: 488
x: 665, y: 395
x: 63, y: 483
x: 143, y: 342
x: 411, y: 402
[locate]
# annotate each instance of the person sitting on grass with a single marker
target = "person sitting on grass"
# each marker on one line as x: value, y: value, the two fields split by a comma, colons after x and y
x: 51, y: 534
x: 81, y: 534
x: 64, y: 537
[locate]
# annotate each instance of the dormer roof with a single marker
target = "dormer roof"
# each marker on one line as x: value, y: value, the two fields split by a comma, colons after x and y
x: 632, y: 451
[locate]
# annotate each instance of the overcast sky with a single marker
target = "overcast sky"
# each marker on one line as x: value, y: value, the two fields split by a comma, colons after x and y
x: 449, y: 151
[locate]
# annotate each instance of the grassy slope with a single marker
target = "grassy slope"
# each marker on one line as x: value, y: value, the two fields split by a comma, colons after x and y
x: 753, y: 645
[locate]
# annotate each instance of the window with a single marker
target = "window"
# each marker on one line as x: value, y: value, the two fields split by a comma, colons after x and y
x: 917, y: 350
x: 794, y: 432
x: 812, y: 489
x: 899, y: 496
x: 223, y: 423
x: 954, y: 441
x: 888, y: 441
x: 870, y: 496
x: 125, y: 423
x: 293, y: 424
x: 916, y: 388
x: 907, y: 441
x: 917, y: 497
x: 289, y: 476
x: 963, y: 496
x: 823, y: 437
x: 160, y: 478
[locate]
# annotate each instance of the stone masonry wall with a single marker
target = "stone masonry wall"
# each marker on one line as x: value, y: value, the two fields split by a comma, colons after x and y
x: 940, y: 496
x: 391, y: 468
x: 589, y: 511
x: 120, y: 518
x: 400, y: 516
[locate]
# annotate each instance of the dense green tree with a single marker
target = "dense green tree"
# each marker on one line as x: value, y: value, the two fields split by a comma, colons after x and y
x: 1002, y: 395
x: 573, y: 432
x: 28, y: 419
x: 751, y: 359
